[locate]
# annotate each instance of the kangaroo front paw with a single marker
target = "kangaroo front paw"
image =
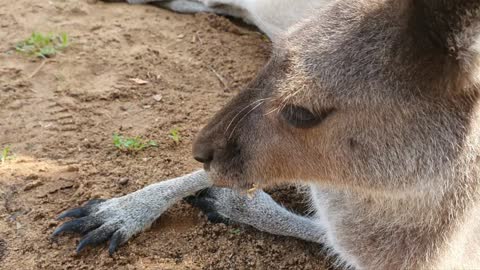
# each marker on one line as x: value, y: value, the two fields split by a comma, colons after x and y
x: 228, y: 206
x: 115, y: 220
x: 206, y: 201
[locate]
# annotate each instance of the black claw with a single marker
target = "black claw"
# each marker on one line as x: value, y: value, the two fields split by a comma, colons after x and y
x: 74, y: 213
x: 70, y: 226
x: 190, y: 199
x: 202, y: 200
x: 200, y: 194
x: 96, y: 237
x: 80, y: 211
x: 215, y: 217
x: 206, y: 203
x: 82, y: 244
x: 117, y: 239
x: 81, y: 226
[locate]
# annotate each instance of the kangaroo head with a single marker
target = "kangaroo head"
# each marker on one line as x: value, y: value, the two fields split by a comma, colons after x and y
x: 368, y: 95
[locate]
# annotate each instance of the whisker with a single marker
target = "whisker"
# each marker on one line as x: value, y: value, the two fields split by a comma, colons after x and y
x: 246, y: 107
x: 272, y: 111
x: 243, y: 117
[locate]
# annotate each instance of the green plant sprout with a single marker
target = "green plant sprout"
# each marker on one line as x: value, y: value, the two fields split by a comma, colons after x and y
x: 131, y: 144
x: 174, y: 134
x: 43, y: 45
x: 236, y: 231
x: 5, y: 154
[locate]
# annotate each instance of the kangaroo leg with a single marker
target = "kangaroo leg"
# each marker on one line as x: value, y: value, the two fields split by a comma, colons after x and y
x: 182, y: 6
x: 260, y: 211
x: 194, y: 6
x: 118, y: 219
x: 191, y: 6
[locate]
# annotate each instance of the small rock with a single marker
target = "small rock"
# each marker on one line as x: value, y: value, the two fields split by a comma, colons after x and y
x: 138, y: 81
x: 157, y: 98
x: 52, y: 223
x: 123, y: 181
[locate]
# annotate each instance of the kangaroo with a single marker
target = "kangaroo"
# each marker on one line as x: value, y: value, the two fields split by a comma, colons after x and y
x: 371, y: 103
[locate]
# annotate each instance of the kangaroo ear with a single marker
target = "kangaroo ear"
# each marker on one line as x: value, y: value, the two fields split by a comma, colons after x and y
x: 454, y: 26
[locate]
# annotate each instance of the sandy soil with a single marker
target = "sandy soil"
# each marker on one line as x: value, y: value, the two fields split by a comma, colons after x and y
x: 59, y: 122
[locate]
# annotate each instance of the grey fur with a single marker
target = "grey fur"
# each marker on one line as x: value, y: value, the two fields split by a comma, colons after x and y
x: 262, y: 212
x: 138, y: 210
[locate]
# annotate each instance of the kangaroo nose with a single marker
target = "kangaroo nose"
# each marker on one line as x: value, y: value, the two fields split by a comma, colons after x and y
x: 203, y: 152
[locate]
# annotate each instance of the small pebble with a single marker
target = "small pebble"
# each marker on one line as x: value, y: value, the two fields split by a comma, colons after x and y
x: 123, y: 181
x: 157, y: 98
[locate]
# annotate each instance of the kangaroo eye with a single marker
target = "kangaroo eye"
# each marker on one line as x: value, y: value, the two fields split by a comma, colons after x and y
x: 300, y: 117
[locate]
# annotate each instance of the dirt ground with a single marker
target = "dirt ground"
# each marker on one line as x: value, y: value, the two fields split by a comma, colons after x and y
x: 58, y: 118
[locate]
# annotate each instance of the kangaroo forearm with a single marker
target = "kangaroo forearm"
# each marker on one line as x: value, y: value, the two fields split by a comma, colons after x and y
x: 160, y: 196
x: 280, y: 221
x: 263, y: 213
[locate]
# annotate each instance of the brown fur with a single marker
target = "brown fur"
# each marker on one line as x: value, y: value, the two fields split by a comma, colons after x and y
x: 395, y: 163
